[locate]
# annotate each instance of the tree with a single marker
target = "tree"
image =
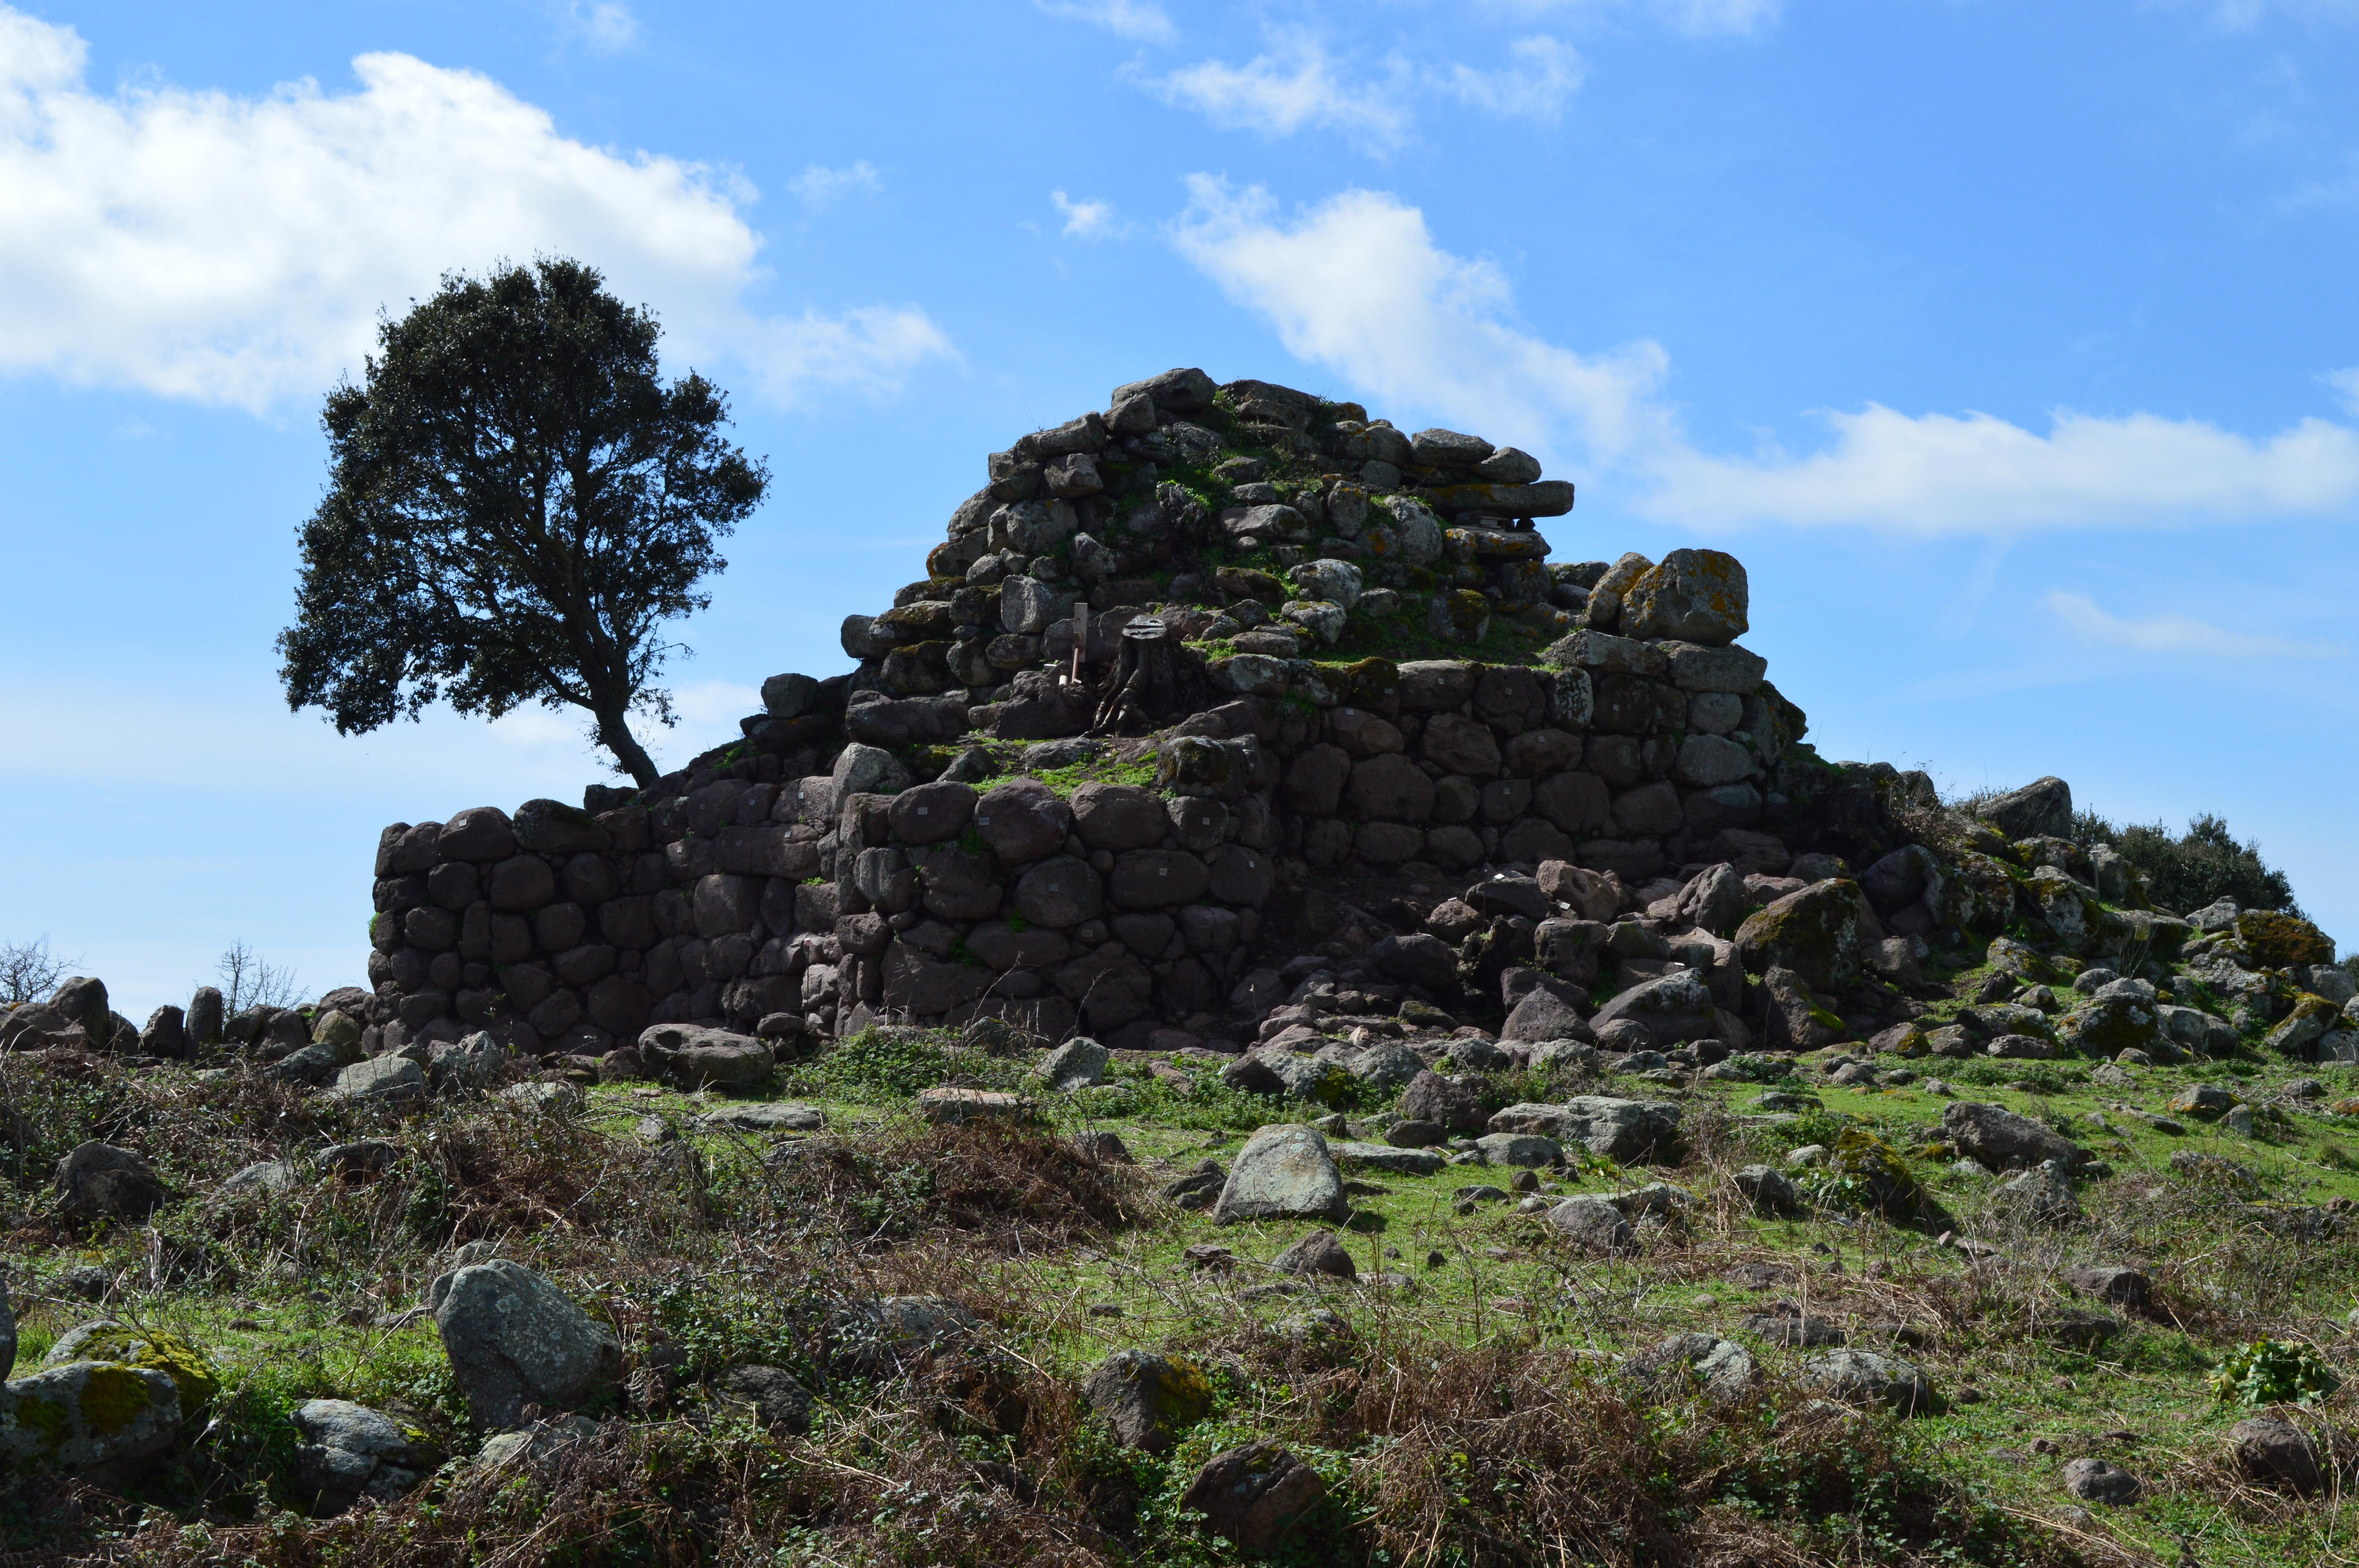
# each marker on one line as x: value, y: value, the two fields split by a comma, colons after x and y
x: 247, y: 981
x: 2192, y: 870
x: 516, y: 504
x: 29, y: 972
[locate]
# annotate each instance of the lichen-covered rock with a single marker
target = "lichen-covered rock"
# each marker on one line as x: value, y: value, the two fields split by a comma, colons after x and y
x: 1692, y: 596
x: 1622, y: 1130
x: 1819, y: 932
x: 697, y: 1058
x: 349, y: 1451
x: 1148, y: 1399
x: 98, y: 1417
x: 2298, y: 1033
x: 2109, y: 1026
x: 154, y: 1350
x: 514, y: 1338
x: 382, y: 1078
x: 1284, y: 1172
x: 1866, y: 1377
x: 1723, y: 1369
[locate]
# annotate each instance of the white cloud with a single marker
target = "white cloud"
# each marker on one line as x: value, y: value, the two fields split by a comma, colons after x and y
x: 819, y: 186
x: 2345, y: 383
x: 1704, y: 17
x: 1140, y: 19
x: 2174, y: 635
x: 237, y: 251
x: 1544, y: 74
x: 869, y: 350
x: 1295, y: 85
x: 1083, y: 220
x: 1356, y: 284
x: 1946, y: 474
x: 604, y: 25
x: 1698, y: 18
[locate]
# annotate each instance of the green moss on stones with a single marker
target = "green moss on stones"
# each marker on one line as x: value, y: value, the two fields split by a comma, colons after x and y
x: 112, y: 1397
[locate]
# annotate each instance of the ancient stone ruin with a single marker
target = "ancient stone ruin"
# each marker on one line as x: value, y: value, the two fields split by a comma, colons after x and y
x: 1214, y: 691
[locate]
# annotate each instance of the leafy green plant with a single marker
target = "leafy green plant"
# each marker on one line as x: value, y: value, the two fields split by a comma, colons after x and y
x: 2274, y: 1372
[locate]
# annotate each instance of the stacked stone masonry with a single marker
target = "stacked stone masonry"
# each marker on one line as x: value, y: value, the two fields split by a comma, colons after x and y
x: 1281, y: 642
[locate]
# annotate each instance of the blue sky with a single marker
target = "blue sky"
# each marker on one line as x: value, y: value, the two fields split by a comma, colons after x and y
x: 2012, y: 346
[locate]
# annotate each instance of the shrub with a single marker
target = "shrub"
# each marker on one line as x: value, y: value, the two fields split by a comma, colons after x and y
x: 2281, y: 941
x: 2274, y: 1372
x: 2200, y: 866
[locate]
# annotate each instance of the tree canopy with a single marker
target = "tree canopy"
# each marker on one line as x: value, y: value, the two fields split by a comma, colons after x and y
x: 517, y: 505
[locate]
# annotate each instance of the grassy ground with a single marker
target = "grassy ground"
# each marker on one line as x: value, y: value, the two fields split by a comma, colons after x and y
x: 1469, y: 1413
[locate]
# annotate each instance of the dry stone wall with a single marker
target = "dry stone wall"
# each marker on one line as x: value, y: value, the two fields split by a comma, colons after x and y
x: 1180, y: 666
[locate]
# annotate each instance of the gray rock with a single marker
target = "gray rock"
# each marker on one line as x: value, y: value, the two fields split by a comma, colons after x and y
x: 1524, y: 1148
x: 2043, y: 1194
x: 546, y: 1096
x: 884, y: 1338
x: 381, y: 1078
x: 1254, y: 1497
x: 1671, y: 1009
x: 1148, y: 1399
x: 768, y: 1115
x: 514, y: 1339
x: 1593, y: 1225
x: 1690, y: 596
x: 349, y: 1452
x: 1079, y: 1063
x: 1385, y: 1158
x: 1284, y: 1172
x: 1622, y: 1130
x: 261, y: 1177
x: 1543, y: 1015
x: 1723, y: 1369
x: 2004, y: 1141
x: 100, y: 1418
x: 780, y: 1403
x: 1866, y: 1377
x: 2096, y: 1481
x: 2123, y: 1287
x: 696, y: 1057
x: 2041, y: 809
x: 1432, y: 1098
x: 98, y: 1181
x: 2276, y: 1453
x: 540, y: 1447
x: 1316, y: 1253
x: 1767, y: 1190
x: 1386, y: 1065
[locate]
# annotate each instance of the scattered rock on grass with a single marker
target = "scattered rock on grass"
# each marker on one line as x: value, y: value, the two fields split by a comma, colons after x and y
x: 98, y: 1181
x: 1148, y: 1399
x: 1284, y: 1172
x: 349, y: 1451
x: 2277, y: 1453
x: 2096, y: 1481
x: 1316, y: 1253
x: 1253, y: 1497
x: 514, y: 1338
x: 1866, y: 1377
x: 780, y: 1403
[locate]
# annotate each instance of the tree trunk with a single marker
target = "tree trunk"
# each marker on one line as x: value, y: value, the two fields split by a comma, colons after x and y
x: 615, y: 734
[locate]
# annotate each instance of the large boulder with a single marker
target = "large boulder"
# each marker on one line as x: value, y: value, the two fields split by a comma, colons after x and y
x: 1622, y: 1130
x: 1671, y: 1008
x: 101, y: 1418
x: 98, y: 1181
x: 1284, y: 1172
x: 2116, y: 1020
x: 1543, y: 1015
x: 1255, y: 1495
x: 349, y: 1452
x: 2041, y: 809
x: 1446, y: 1102
x: 695, y: 1057
x: 1690, y: 596
x: 516, y: 1339
x: 2004, y: 1141
x: 1821, y: 932
x: 1147, y: 1399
